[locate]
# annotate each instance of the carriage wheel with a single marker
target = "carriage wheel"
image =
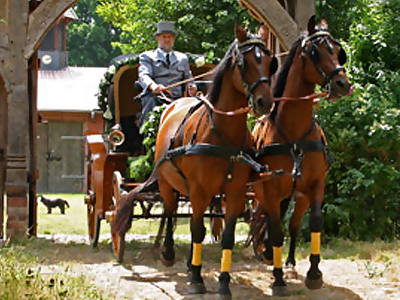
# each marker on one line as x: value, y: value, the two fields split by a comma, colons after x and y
x: 93, y: 224
x: 118, y: 241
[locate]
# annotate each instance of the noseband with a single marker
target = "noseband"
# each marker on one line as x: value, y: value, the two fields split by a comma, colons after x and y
x: 309, y: 46
x: 240, y: 50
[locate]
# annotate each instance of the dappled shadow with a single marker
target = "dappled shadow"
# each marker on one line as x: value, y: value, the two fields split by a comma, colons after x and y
x: 250, y: 278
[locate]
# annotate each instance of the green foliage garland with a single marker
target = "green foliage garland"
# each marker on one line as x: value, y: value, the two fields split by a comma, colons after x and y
x: 107, y: 80
x: 140, y: 167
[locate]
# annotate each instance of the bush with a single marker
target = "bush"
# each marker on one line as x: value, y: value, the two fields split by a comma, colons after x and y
x: 362, y: 189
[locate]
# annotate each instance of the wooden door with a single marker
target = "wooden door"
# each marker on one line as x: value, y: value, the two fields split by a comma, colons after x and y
x: 60, y: 157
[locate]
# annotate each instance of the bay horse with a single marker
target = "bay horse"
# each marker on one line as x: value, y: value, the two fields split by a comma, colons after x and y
x: 202, y: 151
x: 290, y: 140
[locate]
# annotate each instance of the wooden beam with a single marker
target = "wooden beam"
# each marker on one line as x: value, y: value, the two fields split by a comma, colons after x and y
x: 304, y: 10
x: 276, y: 17
x: 41, y: 20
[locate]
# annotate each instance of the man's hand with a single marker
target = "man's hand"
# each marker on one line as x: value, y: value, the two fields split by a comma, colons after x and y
x: 192, y: 89
x: 157, y: 88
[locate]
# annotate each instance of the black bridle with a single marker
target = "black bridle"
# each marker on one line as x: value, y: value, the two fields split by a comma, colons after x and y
x: 239, y: 51
x: 309, y: 47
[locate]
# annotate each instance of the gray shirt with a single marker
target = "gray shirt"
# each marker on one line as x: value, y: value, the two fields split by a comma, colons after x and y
x: 153, y: 67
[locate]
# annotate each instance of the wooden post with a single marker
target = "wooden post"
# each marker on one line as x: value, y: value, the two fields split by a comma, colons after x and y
x: 16, y: 65
x: 20, y: 34
x: 3, y: 150
x: 32, y: 88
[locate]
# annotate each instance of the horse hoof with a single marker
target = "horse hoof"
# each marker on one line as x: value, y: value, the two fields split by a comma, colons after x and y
x: 167, y: 263
x: 197, y: 288
x: 279, y: 291
x: 224, y: 297
x: 314, y: 284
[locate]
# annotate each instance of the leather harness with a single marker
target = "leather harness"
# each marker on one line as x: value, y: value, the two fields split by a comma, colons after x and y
x: 234, y: 154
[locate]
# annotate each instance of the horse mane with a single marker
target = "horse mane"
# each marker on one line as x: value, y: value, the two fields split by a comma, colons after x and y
x: 280, y: 84
x: 221, y: 68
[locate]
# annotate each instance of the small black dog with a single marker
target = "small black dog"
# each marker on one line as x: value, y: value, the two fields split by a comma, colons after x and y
x: 61, y: 203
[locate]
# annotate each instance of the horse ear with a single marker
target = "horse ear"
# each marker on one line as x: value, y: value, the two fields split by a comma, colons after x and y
x: 241, y: 34
x: 311, y: 25
x: 273, y: 66
x: 342, y: 56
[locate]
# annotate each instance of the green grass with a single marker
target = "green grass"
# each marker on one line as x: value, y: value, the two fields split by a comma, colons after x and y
x: 75, y: 220
x: 20, y: 279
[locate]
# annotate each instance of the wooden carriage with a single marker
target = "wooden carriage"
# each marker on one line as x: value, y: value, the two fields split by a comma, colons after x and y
x: 108, y: 152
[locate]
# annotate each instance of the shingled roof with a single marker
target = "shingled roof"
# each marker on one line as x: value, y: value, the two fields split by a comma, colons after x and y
x: 70, y: 89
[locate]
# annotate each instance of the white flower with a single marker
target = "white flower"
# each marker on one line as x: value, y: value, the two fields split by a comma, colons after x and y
x: 107, y: 114
x: 200, y: 61
x: 112, y: 69
x: 152, y: 118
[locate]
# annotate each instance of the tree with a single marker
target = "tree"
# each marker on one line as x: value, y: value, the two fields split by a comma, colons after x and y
x: 204, y: 26
x: 90, y: 38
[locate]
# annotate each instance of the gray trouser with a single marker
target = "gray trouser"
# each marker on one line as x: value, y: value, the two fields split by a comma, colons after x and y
x: 149, y: 101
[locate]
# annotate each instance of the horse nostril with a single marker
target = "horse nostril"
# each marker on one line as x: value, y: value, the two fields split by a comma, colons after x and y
x: 340, y: 83
x: 260, y: 102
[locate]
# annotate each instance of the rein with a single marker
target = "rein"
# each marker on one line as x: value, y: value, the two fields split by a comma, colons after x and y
x: 239, y: 111
x: 247, y: 109
x: 323, y: 95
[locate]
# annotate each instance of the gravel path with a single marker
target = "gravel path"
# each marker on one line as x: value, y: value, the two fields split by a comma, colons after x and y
x: 144, y: 277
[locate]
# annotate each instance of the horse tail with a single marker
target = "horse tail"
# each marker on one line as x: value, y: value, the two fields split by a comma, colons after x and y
x: 123, y: 219
x: 66, y: 203
x: 217, y: 228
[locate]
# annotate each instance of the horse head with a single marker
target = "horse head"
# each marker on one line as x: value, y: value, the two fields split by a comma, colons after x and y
x: 323, y: 58
x: 252, y: 65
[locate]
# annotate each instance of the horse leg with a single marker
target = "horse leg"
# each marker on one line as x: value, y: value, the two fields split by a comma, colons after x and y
x: 268, y: 252
x: 314, y: 275
x: 170, y: 204
x: 199, y: 205
x: 235, y: 204
x: 273, y: 209
x: 294, y: 225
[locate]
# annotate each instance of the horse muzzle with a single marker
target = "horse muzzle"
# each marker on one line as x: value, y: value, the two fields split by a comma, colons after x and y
x: 261, y: 104
x: 339, y: 86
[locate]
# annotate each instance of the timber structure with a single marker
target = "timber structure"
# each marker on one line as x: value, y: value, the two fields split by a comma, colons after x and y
x: 23, y: 24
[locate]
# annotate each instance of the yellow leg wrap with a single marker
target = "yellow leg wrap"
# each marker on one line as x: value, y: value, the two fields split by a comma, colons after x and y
x: 315, y: 243
x: 196, y: 257
x: 226, y: 260
x: 277, y: 257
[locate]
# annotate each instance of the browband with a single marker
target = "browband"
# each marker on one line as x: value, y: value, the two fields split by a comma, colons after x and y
x: 316, y: 34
